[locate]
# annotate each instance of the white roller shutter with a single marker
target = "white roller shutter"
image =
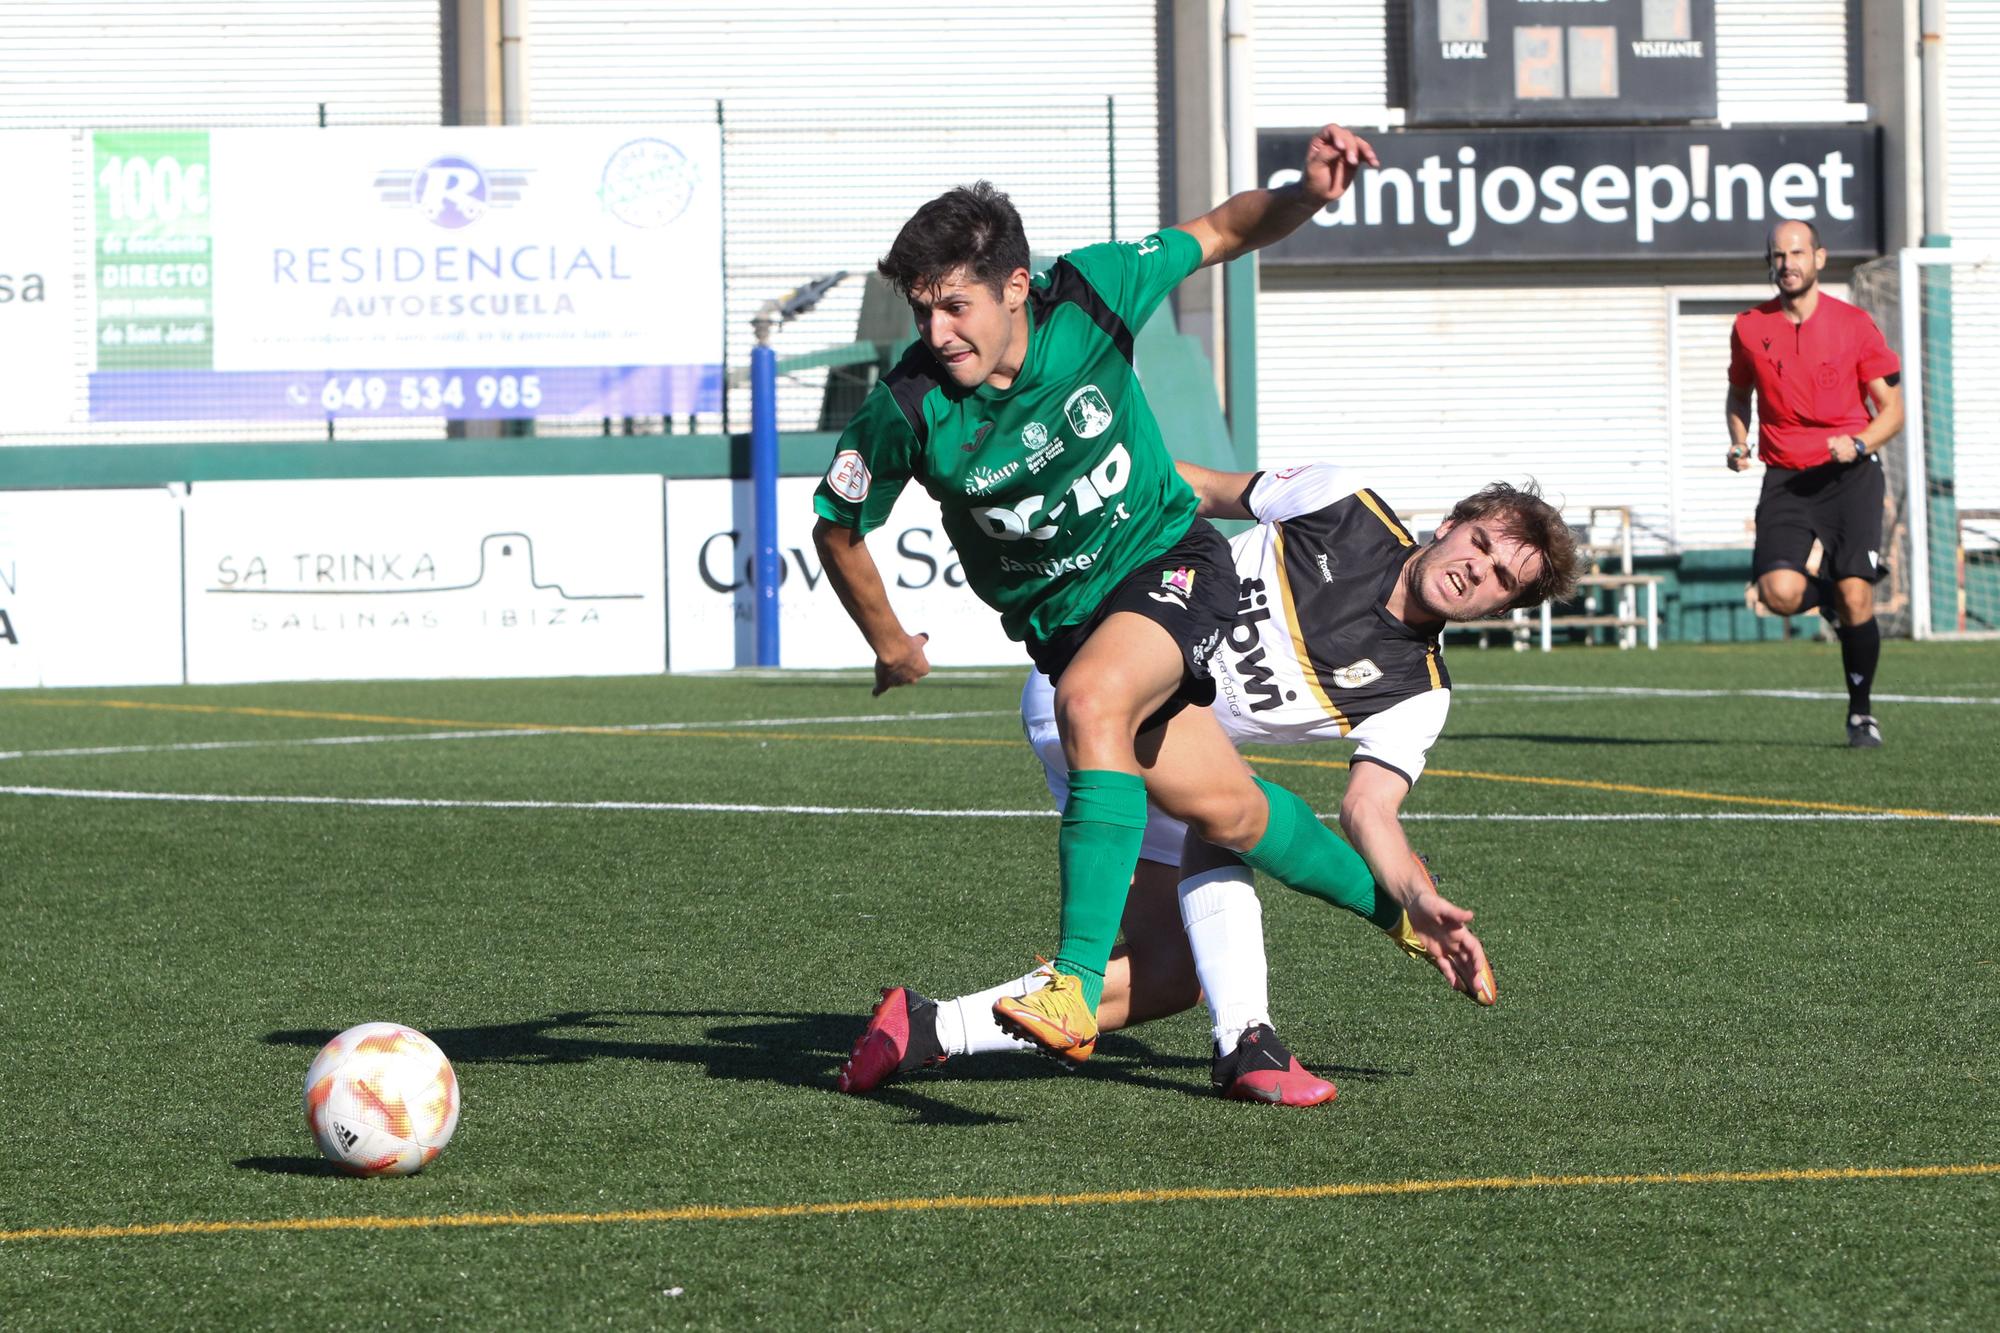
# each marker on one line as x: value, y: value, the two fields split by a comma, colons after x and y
x: 216, y: 62
x: 1972, y: 105
x: 1331, y: 61
x: 1713, y: 506
x: 1441, y: 388
x: 1781, y: 61
x: 840, y: 120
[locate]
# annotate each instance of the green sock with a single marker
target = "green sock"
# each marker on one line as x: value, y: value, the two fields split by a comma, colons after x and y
x: 1102, y: 828
x: 1301, y: 853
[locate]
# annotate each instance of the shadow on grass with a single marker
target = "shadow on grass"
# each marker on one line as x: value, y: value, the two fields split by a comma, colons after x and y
x: 291, y: 1166
x: 801, y: 1050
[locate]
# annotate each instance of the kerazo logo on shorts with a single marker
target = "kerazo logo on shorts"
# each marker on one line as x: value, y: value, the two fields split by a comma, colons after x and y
x: 1175, y: 588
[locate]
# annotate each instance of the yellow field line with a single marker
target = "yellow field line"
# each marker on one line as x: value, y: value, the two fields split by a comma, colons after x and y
x: 1677, y: 793
x: 461, y: 724
x: 976, y: 1203
x: 1470, y: 775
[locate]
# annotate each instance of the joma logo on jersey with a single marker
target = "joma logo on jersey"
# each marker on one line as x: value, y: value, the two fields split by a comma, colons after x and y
x: 979, y: 480
x: 1089, y: 412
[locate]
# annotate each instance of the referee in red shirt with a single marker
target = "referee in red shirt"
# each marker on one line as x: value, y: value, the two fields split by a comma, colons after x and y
x: 1819, y: 366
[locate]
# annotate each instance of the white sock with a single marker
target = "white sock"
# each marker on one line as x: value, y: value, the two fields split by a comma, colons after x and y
x: 966, y: 1025
x: 1225, y: 928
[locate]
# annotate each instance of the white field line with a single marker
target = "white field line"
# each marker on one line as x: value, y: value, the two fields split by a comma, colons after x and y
x: 1568, y: 693
x: 907, y: 812
x: 185, y: 747
x: 860, y: 675
x: 428, y: 803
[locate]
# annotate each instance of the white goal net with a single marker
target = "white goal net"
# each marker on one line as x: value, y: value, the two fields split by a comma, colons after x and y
x: 1940, y: 308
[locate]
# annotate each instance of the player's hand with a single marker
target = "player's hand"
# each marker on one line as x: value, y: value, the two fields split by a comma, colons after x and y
x: 906, y: 667
x: 1739, y: 457
x: 1446, y: 929
x: 1843, y: 448
x: 1333, y: 159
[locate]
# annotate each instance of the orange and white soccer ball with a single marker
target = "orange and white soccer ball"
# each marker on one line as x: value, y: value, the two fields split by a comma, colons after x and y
x: 381, y: 1100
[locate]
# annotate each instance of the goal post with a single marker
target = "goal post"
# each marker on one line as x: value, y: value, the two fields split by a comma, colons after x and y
x: 1941, y: 307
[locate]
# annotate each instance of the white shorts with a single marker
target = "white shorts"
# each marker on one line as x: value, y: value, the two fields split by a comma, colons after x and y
x: 1038, y: 718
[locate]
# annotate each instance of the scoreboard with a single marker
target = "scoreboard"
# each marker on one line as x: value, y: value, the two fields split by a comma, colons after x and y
x: 1605, y: 62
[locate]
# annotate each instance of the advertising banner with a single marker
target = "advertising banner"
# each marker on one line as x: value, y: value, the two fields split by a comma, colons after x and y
x: 43, y: 350
x: 90, y: 588
x: 1561, y: 194
x: 711, y: 587
x: 424, y: 578
x: 458, y: 272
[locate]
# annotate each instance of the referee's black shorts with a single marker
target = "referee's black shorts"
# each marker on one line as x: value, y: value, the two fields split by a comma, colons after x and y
x: 1839, y: 503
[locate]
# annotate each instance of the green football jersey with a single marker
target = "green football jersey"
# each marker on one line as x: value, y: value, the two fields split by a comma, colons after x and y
x: 1057, y: 487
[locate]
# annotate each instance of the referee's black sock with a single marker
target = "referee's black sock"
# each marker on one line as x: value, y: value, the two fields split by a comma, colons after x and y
x: 1860, y: 650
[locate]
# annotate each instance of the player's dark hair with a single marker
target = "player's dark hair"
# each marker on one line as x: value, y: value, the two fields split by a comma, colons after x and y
x: 973, y: 227
x: 1520, y: 512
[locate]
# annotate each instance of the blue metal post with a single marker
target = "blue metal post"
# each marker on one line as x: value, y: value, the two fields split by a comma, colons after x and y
x: 764, y: 496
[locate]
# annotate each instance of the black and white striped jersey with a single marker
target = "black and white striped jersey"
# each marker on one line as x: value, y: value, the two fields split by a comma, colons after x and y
x: 1314, y: 654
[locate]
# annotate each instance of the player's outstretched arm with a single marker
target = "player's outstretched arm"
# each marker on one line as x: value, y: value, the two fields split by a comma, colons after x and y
x: 899, y: 655
x: 1370, y: 816
x: 1257, y: 218
x: 1220, y: 494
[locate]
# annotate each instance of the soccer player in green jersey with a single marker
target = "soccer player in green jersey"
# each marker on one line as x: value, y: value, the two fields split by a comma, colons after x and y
x: 1019, y: 411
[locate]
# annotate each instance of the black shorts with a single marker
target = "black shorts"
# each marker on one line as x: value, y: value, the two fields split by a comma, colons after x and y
x: 1190, y: 591
x: 1839, y: 503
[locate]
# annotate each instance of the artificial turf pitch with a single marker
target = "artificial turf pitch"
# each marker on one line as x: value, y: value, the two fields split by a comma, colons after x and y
x: 1743, y: 1070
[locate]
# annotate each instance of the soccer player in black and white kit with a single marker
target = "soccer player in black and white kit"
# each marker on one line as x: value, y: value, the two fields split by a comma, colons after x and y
x: 1335, y: 638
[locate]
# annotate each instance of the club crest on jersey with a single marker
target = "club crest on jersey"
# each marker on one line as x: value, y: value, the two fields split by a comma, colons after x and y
x: 1089, y: 412
x: 848, y: 477
x: 1034, y: 436
x: 1364, y: 672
